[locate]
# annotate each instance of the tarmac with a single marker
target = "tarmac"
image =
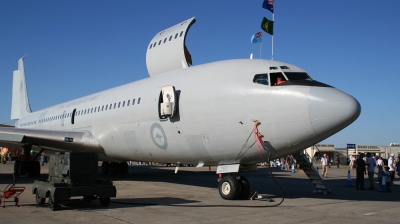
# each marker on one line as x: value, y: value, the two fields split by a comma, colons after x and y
x: 155, y: 194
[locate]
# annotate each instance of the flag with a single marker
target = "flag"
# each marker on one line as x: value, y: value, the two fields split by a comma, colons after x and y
x: 269, y: 5
x: 256, y: 38
x: 267, y: 26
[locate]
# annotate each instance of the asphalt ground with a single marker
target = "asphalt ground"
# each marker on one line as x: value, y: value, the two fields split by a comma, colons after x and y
x: 155, y: 194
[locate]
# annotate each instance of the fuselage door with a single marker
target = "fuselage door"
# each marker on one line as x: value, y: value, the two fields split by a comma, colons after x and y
x: 167, y: 102
x: 73, y: 116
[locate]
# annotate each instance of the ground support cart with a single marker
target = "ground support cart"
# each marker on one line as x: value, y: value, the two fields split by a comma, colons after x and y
x: 72, y: 175
x: 58, y: 193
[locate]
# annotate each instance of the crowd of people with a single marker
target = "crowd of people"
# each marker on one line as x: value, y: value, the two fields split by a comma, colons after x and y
x: 371, y: 165
x: 365, y: 165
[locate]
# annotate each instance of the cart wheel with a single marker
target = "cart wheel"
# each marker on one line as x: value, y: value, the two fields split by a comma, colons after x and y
x: 88, y: 198
x: 16, y: 202
x: 104, y: 202
x: 39, y: 200
x: 54, y: 206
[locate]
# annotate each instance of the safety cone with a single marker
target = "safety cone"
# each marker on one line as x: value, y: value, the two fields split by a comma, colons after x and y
x: 293, y: 170
x: 383, y: 187
x: 349, y: 183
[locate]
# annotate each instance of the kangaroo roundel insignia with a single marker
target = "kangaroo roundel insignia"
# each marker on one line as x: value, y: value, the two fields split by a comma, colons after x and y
x: 158, y: 136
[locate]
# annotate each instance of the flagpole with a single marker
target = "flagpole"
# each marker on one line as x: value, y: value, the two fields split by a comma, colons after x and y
x: 273, y: 19
x: 260, y: 47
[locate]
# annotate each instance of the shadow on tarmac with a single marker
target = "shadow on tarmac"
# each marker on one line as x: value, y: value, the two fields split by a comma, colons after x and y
x: 294, y: 185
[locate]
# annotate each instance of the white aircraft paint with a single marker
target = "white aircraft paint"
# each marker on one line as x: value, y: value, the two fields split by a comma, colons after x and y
x: 213, y: 109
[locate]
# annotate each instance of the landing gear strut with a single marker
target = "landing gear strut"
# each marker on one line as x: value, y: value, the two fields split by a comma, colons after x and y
x: 233, y: 187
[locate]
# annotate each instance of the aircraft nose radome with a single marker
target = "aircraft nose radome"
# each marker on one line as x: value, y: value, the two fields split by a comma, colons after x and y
x: 331, y: 110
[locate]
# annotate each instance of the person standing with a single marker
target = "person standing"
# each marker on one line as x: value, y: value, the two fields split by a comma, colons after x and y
x: 325, y: 165
x: 288, y: 162
x: 337, y: 161
x: 352, y: 162
x: 360, y: 170
x: 391, y: 166
x: 371, y: 163
x: 380, y: 162
x: 380, y: 173
x: 398, y: 166
x: 388, y: 179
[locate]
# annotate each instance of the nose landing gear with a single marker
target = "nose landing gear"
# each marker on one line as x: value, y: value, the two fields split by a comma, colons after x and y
x: 233, y: 187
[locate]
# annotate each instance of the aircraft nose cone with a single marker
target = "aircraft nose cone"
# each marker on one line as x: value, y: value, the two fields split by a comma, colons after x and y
x: 331, y: 110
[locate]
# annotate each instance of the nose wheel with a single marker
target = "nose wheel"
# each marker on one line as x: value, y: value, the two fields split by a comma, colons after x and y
x: 234, y: 187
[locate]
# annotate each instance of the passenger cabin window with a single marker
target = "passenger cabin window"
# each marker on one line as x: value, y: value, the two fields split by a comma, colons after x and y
x: 181, y: 34
x: 298, y: 76
x: 138, y: 100
x: 261, y: 79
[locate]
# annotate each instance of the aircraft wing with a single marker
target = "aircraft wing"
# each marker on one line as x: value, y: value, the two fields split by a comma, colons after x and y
x: 6, y: 125
x: 62, y: 141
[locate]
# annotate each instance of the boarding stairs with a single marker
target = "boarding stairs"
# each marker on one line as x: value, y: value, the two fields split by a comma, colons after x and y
x: 302, y: 159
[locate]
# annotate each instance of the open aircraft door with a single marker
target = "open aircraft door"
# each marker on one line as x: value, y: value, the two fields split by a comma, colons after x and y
x: 167, y: 102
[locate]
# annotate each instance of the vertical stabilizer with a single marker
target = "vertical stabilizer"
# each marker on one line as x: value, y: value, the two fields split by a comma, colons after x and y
x: 20, y: 103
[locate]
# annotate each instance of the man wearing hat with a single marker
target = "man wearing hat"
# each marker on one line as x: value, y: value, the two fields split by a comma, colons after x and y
x: 392, y: 166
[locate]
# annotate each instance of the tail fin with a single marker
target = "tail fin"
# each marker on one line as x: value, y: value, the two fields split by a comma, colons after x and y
x: 20, y: 103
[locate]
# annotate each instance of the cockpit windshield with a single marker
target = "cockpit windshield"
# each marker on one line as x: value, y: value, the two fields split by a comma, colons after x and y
x: 285, y: 78
x: 298, y: 76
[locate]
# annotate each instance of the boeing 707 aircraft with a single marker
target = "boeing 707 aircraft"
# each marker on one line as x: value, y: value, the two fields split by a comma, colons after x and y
x: 231, y: 114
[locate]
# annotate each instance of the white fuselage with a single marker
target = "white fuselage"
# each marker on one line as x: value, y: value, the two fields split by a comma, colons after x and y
x: 217, y: 106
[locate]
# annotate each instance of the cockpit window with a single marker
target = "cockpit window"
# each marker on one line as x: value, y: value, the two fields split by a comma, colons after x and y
x: 298, y: 76
x: 277, y: 78
x: 261, y: 79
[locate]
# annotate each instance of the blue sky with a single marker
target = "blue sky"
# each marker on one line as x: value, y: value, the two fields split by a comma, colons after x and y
x: 77, y: 48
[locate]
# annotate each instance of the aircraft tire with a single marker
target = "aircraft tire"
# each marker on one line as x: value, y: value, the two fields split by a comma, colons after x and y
x: 105, y: 167
x: 16, y: 167
x: 23, y: 168
x: 123, y: 168
x: 35, y: 168
x: 245, y: 191
x: 114, y: 168
x: 229, y: 188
